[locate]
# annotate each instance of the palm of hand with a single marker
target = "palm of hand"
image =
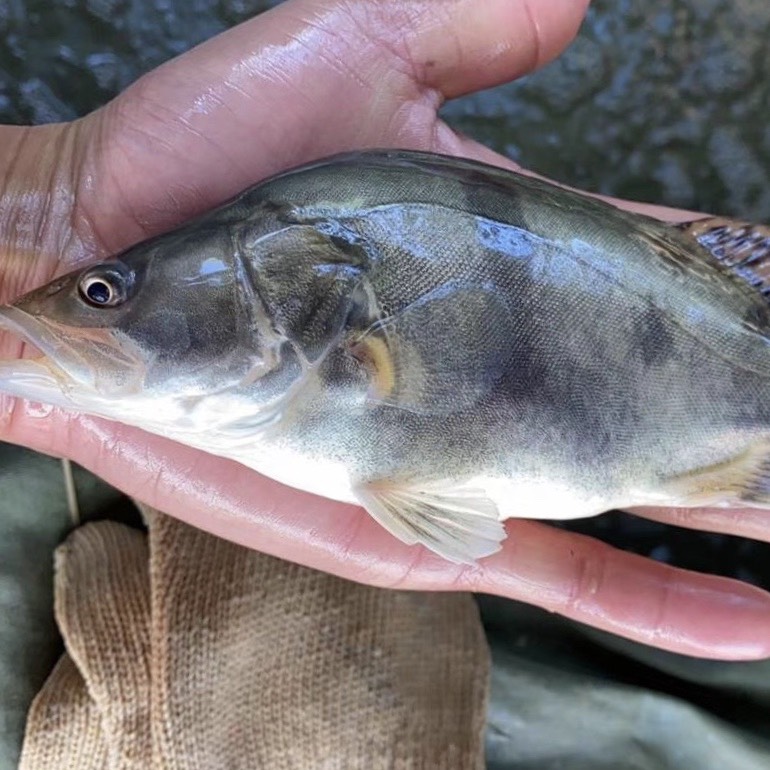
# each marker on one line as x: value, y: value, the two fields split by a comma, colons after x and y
x: 307, y: 79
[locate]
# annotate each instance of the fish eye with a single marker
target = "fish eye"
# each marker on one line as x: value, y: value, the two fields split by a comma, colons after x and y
x: 105, y: 285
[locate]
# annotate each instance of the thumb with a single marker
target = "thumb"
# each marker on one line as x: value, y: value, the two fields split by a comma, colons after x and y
x: 308, y: 78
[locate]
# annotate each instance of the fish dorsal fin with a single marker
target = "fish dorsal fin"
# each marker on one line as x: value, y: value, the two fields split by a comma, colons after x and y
x: 688, y: 260
x: 455, y: 521
x: 742, y: 246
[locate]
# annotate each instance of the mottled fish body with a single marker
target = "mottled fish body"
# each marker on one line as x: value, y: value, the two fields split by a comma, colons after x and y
x: 447, y: 343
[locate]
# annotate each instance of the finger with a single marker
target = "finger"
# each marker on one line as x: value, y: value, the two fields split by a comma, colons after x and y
x: 629, y: 595
x: 308, y: 78
x: 36, y: 204
x: 753, y: 523
x: 468, y: 46
x: 574, y: 575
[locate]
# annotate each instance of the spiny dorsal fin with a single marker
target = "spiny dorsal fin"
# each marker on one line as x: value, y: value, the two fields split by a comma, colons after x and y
x: 742, y: 246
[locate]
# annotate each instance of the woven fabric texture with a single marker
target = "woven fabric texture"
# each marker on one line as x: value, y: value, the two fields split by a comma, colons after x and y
x: 187, y: 652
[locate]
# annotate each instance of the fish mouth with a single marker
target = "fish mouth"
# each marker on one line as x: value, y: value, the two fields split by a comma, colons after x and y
x: 58, y: 376
x: 38, y: 378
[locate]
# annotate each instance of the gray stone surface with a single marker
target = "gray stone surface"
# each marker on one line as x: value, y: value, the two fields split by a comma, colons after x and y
x: 665, y: 101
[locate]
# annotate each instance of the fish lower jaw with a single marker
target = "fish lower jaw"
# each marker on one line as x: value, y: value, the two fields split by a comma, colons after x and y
x: 35, y: 379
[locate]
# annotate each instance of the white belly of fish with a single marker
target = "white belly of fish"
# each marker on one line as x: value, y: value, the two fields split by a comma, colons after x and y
x: 317, y: 475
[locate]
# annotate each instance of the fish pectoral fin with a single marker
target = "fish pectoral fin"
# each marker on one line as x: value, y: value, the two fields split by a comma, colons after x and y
x: 744, y: 247
x: 441, y: 353
x: 457, y: 522
x: 740, y: 480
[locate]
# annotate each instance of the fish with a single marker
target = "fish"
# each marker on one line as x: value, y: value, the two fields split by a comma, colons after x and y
x: 445, y: 343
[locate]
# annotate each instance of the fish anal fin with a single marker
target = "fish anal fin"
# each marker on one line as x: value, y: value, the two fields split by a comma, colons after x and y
x: 458, y: 522
x: 741, y: 480
x: 744, y: 247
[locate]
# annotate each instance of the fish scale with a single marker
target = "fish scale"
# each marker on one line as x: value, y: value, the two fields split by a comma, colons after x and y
x: 446, y: 343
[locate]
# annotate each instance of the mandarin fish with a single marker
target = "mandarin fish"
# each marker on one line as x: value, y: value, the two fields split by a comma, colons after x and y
x: 446, y: 343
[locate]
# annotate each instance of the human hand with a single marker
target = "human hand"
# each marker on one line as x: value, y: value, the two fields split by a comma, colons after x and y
x: 304, y: 80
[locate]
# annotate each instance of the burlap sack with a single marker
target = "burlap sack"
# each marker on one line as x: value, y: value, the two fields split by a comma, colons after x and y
x: 187, y: 652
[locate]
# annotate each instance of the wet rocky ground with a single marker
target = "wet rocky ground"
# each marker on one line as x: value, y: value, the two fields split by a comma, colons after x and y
x: 664, y: 101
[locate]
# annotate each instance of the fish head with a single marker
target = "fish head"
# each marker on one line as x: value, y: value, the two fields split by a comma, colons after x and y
x: 208, y: 330
x: 159, y: 333
x: 71, y: 323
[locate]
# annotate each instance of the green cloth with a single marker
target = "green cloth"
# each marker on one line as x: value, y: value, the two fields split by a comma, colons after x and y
x: 566, y: 697
x: 34, y: 518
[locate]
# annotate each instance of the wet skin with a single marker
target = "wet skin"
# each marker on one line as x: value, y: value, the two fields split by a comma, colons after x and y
x: 231, y: 112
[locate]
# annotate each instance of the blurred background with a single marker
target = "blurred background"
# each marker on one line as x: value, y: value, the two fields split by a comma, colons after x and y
x: 665, y: 101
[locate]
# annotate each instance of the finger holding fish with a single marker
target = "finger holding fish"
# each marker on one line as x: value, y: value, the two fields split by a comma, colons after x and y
x: 577, y: 576
x: 325, y: 533
x: 753, y: 523
x: 306, y: 79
